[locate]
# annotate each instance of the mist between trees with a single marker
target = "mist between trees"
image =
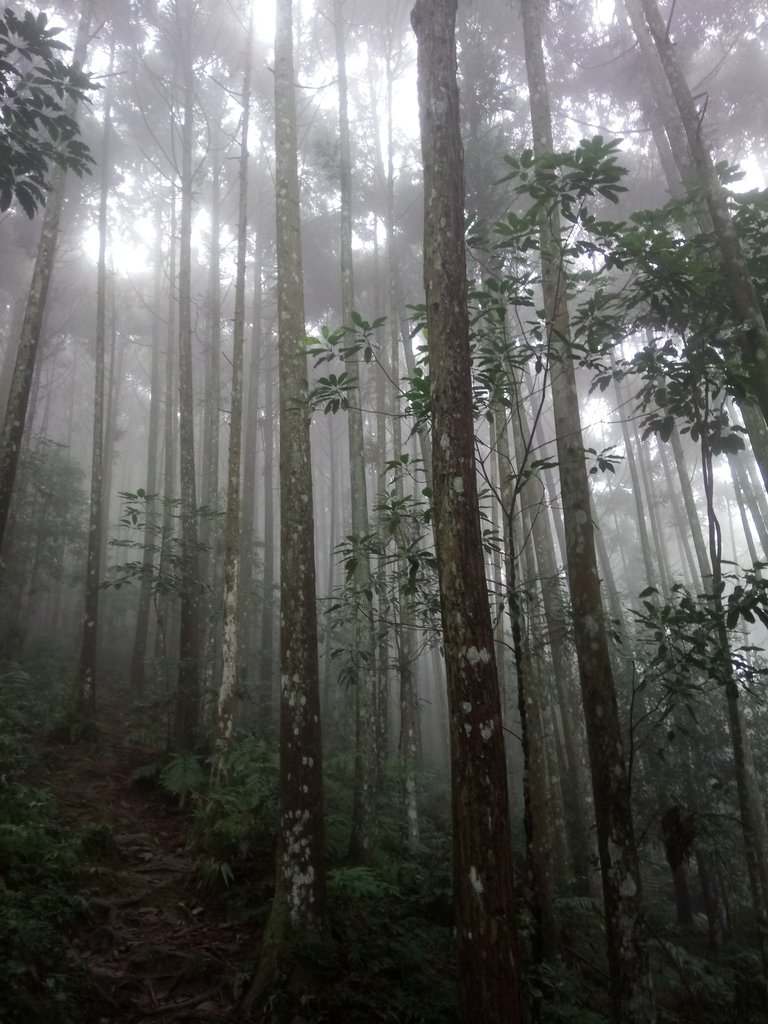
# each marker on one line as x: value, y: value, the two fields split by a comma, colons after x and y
x: 383, y: 470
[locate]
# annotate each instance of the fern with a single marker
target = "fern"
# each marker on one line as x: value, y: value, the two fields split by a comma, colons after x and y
x: 182, y: 775
x: 355, y: 884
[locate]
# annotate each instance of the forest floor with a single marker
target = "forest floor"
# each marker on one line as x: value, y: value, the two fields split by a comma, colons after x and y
x: 120, y: 906
x: 122, y: 903
x: 157, y: 950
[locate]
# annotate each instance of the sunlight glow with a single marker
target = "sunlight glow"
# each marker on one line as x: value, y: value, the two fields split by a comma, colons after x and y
x: 125, y: 256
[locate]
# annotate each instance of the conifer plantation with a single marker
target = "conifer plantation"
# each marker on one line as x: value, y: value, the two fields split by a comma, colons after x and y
x: 383, y: 512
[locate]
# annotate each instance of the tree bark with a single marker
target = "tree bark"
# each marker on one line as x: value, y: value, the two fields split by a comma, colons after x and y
x: 482, y: 868
x: 86, y: 690
x: 150, y: 526
x: 188, y: 685
x: 364, y: 816
x: 628, y: 957
x: 232, y: 553
x: 298, y: 908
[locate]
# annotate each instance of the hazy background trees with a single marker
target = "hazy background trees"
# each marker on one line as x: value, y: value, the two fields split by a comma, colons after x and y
x: 619, y: 424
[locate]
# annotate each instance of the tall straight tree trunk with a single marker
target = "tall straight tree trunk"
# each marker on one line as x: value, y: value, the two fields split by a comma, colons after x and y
x: 651, y: 572
x: 232, y: 552
x: 150, y: 527
x: 298, y: 908
x: 489, y: 988
x: 246, y: 603
x: 266, y: 679
x: 692, y: 512
x: 113, y: 394
x: 406, y: 624
x: 537, y: 808
x: 12, y: 430
x: 364, y: 818
x: 742, y: 483
x: 396, y: 307
x: 188, y: 685
x: 660, y: 548
x: 571, y: 717
x: 628, y: 957
x: 681, y: 523
x: 209, y: 484
x: 86, y: 674
x: 163, y: 598
x: 210, y: 565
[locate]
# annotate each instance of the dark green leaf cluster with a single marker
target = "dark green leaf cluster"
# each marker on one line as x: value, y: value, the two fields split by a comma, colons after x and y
x: 37, y: 93
x: 562, y: 180
x: 684, y: 635
x: 331, y: 393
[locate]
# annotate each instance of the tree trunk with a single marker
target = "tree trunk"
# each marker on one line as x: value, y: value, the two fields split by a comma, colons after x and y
x: 298, y: 908
x: 232, y: 553
x: 364, y: 817
x: 150, y: 526
x: 164, y: 599
x: 210, y: 564
x: 482, y: 865
x: 188, y: 686
x: 86, y: 689
x: 247, y: 607
x: 530, y: 693
x: 575, y: 783
x: 628, y: 957
x: 266, y: 678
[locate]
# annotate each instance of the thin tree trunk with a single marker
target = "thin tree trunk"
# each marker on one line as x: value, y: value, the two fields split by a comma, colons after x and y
x: 628, y: 957
x: 681, y: 523
x: 232, y: 552
x: 151, y: 507
x: 163, y: 598
x: 188, y: 686
x: 364, y: 816
x: 267, y: 674
x: 651, y: 572
x: 86, y: 675
x: 537, y: 806
x: 247, y: 606
x: 575, y: 783
x: 210, y: 563
x: 692, y: 512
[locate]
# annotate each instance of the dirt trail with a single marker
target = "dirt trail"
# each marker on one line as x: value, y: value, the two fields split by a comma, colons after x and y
x: 157, y: 949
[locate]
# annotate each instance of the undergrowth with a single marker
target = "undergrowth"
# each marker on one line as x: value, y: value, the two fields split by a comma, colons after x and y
x: 388, y: 957
x: 41, y: 978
